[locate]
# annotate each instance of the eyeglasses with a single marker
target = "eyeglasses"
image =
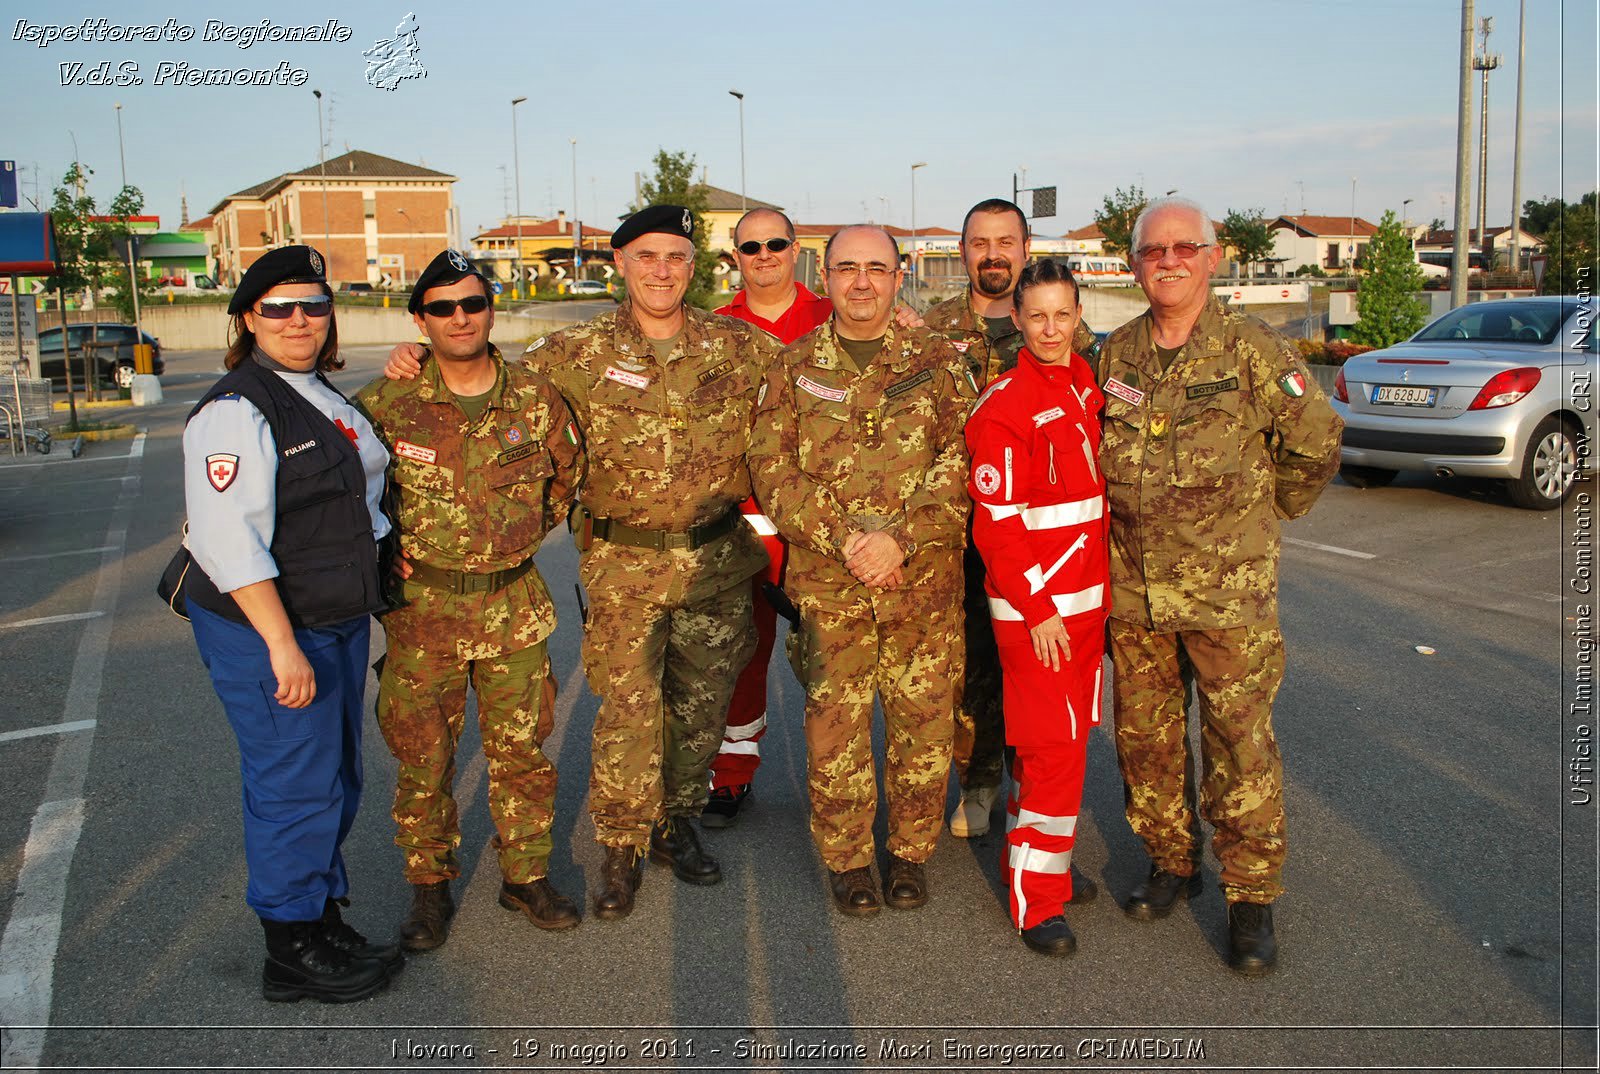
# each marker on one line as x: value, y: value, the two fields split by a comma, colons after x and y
x: 650, y: 259
x: 1156, y: 251
x: 278, y: 309
x: 446, y: 307
x: 753, y: 247
x: 876, y: 271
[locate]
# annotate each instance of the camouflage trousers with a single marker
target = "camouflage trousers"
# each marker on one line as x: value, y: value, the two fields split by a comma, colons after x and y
x: 978, y: 755
x: 1236, y: 673
x: 665, y: 675
x: 913, y: 666
x: 422, y: 704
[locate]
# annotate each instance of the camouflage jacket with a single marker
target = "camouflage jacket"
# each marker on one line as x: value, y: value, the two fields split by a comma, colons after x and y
x: 478, y: 496
x: 837, y: 451
x: 666, y: 440
x: 1200, y: 463
x: 954, y: 319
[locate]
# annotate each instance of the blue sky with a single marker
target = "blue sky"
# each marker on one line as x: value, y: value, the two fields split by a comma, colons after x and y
x: 1235, y: 105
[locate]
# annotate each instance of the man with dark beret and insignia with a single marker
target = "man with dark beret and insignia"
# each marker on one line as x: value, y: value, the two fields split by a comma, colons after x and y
x: 1214, y: 432
x: 663, y: 394
x: 994, y: 249
x: 859, y: 461
x: 486, y: 460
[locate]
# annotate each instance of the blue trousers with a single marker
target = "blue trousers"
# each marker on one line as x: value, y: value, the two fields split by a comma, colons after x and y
x: 301, y: 768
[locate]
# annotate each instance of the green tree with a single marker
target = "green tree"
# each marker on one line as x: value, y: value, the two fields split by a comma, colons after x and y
x: 1386, y: 297
x: 128, y: 202
x: 86, y: 240
x: 1247, y: 232
x: 1117, y: 213
x: 674, y: 184
x: 1569, y: 232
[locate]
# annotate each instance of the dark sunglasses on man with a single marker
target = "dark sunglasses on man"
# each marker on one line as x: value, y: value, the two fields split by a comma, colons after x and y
x: 278, y: 309
x: 753, y: 247
x: 446, y: 307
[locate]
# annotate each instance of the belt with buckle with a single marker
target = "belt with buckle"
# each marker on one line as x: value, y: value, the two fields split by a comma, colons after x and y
x: 609, y: 529
x: 463, y: 582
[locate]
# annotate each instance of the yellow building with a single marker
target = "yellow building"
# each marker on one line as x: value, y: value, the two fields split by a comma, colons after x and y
x: 546, y: 250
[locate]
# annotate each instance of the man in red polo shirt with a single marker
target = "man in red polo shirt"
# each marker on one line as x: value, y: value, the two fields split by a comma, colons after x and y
x: 773, y: 301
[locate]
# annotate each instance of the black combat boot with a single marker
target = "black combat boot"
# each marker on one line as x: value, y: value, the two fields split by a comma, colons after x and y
x: 673, y: 842
x: 906, y: 885
x: 301, y: 962
x: 1252, y: 946
x: 347, y: 939
x: 428, y: 922
x: 1155, y: 897
x: 541, y: 903
x: 623, y: 870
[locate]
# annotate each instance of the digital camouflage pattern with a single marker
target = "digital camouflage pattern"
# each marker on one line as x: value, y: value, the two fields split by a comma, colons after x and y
x: 980, y: 723
x: 837, y: 451
x: 669, y: 631
x: 476, y: 496
x: 1236, y: 673
x: 1202, y: 467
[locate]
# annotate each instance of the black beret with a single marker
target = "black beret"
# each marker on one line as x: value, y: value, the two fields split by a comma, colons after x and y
x: 451, y: 266
x: 286, y: 264
x: 662, y: 219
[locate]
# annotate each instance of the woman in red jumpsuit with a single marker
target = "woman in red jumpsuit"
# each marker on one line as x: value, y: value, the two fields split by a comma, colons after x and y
x: 1039, y: 522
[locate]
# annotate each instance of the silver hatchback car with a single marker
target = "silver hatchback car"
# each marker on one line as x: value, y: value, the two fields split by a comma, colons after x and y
x: 1502, y: 389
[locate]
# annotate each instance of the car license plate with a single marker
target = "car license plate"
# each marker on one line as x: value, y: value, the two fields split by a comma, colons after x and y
x: 1403, y: 395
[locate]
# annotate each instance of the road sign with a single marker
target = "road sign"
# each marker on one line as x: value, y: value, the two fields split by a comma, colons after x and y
x: 38, y: 287
x: 385, y: 280
x: 610, y: 272
x: 560, y: 272
x: 30, y: 334
x: 497, y: 287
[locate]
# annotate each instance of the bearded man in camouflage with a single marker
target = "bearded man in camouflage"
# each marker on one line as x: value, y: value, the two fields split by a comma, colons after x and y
x: 859, y: 461
x: 1214, y: 431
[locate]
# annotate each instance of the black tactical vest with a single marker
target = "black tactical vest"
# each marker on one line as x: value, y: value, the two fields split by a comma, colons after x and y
x: 322, y: 535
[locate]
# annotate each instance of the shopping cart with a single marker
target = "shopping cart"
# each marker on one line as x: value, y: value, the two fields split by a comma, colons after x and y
x: 25, y: 410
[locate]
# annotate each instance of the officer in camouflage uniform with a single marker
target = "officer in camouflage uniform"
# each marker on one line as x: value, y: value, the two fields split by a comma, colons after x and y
x: 486, y: 459
x: 664, y: 393
x: 859, y: 461
x: 1214, y: 431
x: 994, y: 249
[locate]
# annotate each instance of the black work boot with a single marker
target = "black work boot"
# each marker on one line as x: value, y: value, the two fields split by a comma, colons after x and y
x: 906, y: 885
x: 1155, y: 897
x: 347, y: 939
x: 673, y: 842
x: 428, y: 922
x: 623, y: 870
x: 301, y: 962
x: 1252, y: 947
x: 541, y: 903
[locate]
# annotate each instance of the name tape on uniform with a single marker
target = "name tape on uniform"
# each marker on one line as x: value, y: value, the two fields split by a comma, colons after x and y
x: 622, y: 376
x: 1200, y: 391
x: 1124, y: 392
x: 716, y: 372
x: 910, y: 382
x: 1045, y: 417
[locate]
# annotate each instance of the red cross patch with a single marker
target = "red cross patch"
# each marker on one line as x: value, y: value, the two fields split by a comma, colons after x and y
x: 221, y: 469
x: 351, y: 433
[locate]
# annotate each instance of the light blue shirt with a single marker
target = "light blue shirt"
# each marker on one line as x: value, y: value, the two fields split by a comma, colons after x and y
x: 230, y: 475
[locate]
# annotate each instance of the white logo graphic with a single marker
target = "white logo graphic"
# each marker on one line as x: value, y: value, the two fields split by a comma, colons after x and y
x: 316, y: 262
x: 688, y: 221
x: 391, y: 62
x: 987, y: 478
x: 458, y: 262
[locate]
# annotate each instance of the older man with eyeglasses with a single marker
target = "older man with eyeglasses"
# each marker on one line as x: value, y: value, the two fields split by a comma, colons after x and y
x: 663, y: 395
x: 858, y: 459
x: 1214, y: 431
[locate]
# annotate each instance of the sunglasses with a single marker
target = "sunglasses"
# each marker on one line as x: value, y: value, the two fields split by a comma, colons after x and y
x: 278, y: 309
x: 753, y: 247
x: 1156, y: 251
x: 446, y: 307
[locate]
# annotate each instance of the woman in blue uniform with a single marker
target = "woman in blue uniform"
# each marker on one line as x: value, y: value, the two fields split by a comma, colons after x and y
x: 283, y: 479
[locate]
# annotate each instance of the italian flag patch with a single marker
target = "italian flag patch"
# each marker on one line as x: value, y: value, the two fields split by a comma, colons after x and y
x: 1293, y: 384
x: 571, y: 433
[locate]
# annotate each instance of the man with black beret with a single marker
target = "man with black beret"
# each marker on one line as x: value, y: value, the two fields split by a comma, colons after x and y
x: 486, y: 461
x: 664, y: 394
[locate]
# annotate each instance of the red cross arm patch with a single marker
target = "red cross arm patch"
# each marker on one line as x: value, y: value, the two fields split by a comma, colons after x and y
x: 221, y: 469
x: 351, y: 433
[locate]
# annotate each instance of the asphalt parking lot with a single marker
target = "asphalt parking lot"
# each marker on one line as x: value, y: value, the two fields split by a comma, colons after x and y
x: 1441, y: 884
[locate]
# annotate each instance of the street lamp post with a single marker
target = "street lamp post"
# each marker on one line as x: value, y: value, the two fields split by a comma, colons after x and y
x: 742, y: 198
x: 914, y: 167
x: 133, y: 272
x: 322, y: 167
x: 1352, y: 225
x: 516, y: 166
x: 577, y: 225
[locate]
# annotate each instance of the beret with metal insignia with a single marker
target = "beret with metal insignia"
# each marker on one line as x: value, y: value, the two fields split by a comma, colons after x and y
x: 451, y: 266
x: 286, y: 264
x: 657, y: 219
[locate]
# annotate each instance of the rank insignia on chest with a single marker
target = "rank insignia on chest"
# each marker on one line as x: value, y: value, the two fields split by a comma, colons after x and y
x: 1158, y: 424
x: 515, y: 436
x: 869, y: 427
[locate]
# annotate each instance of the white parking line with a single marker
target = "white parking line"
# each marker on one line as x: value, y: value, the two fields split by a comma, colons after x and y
x: 56, y: 555
x: 47, y: 620
x: 1335, y: 549
x: 49, y: 729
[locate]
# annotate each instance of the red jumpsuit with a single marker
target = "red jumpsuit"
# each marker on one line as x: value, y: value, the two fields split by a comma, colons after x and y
x: 736, y: 762
x: 1039, y: 521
